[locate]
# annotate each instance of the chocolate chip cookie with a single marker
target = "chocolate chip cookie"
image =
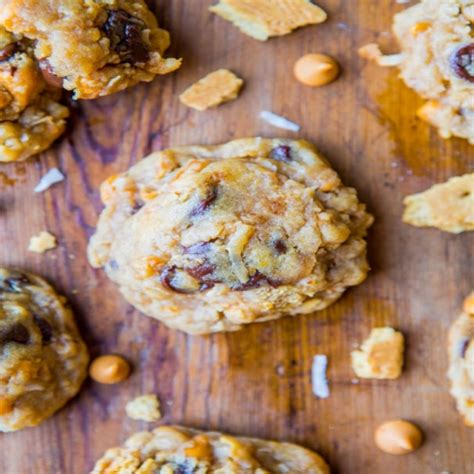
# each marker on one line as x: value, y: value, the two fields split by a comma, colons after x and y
x: 43, y: 360
x: 207, y: 239
x: 177, y: 450
x: 461, y: 361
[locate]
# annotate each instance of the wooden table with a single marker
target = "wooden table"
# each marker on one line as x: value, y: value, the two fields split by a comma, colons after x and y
x: 257, y: 381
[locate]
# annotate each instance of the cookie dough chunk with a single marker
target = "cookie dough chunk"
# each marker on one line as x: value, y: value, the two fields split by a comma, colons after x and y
x: 43, y: 360
x: 31, y: 118
x: 261, y: 19
x: 94, y: 49
x: 174, y: 450
x: 207, y: 239
x: 380, y: 356
x: 437, y: 61
x: 216, y: 88
x: 461, y: 361
x: 448, y: 206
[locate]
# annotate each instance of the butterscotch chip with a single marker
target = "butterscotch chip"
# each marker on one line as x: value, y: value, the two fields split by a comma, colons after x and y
x: 448, y: 206
x: 42, y: 242
x: 261, y: 19
x: 145, y: 408
x: 380, y: 356
x: 214, y: 89
x: 109, y: 369
x: 398, y: 437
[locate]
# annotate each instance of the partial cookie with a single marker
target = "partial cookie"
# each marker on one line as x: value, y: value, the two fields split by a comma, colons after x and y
x: 93, y: 51
x: 209, y: 238
x: 261, y: 19
x: 437, y: 61
x: 380, y: 356
x: 461, y: 361
x: 216, y: 88
x: 43, y: 360
x: 172, y: 449
x: 448, y: 206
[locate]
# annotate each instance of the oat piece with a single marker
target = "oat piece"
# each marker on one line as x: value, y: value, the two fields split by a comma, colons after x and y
x: 261, y: 19
x: 448, y: 206
x: 461, y: 361
x: 214, y: 89
x: 380, y: 356
x: 144, y: 407
x: 178, y: 450
x: 42, y: 242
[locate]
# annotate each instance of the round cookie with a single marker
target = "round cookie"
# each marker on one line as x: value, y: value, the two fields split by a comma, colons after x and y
x: 43, y: 359
x: 174, y: 450
x: 207, y: 239
x: 437, y: 61
x: 461, y: 361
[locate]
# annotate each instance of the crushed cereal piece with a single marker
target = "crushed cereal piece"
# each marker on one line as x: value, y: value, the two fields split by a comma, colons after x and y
x: 319, y: 380
x: 144, y: 407
x: 380, y: 356
x: 261, y: 19
x: 53, y: 176
x: 214, y: 89
x: 42, y: 242
x: 279, y: 121
x: 448, y: 206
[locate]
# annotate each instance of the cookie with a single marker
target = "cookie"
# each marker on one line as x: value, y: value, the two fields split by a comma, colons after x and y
x: 95, y: 50
x: 43, y: 359
x: 448, y: 206
x: 461, y: 361
x: 174, y: 450
x: 209, y: 238
x: 261, y: 19
x: 216, y: 88
x: 437, y: 61
x: 380, y: 356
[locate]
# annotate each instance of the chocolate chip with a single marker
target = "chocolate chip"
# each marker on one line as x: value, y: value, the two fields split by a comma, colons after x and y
x: 201, y: 270
x: 204, y: 204
x: 281, y: 153
x: 7, y: 51
x: 462, y: 62
x: 16, y: 333
x: 137, y: 206
x: 125, y: 34
x: 15, y: 283
x: 167, y: 276
x: 257, y: 280
x: 279, y: 246
x: 44, y: 327
x: 464, y: 346
x: 48, y: 74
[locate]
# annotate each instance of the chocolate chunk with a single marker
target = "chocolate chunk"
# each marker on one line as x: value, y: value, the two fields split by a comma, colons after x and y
x: 125, y: 34
x: 137, y: 206
x: 7, y: 52
x: 48, y: 74
x: 201, y: 270
x: 281, y: 153
x: 16, y: 333
x: 44, y: 327
x: 15, y: 283
x: 464, y: 345
x: 257, y: 280
x: 279, y: 246
x: 166, y: 278
x: 204, y: 204
x: 462, y: 62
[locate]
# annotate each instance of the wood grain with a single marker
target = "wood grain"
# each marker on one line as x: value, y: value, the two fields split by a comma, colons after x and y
x: 257, y: 381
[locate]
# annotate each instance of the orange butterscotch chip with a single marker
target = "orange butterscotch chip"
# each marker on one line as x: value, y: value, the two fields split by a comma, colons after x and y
x: 468, y: 305
x: 216, y: 88
x: 199, y: 448
x: 420, y: 27
x: 5, y: 406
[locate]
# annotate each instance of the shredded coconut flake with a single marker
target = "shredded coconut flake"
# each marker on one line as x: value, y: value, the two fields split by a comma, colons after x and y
x: 279, y: 121
x: 53, y: 176
x: 318, y: 376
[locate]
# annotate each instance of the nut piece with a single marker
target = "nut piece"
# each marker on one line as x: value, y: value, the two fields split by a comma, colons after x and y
x: 109, y: 369
x: 316, y: 69
x: 145, y: 407
x: 398, y: 437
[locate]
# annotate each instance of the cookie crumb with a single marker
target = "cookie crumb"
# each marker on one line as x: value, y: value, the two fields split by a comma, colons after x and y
x: 144, y: 408
x: 42, y: 242
x: 262, y: 19
x: 380, y: 356
x: 212, y: 90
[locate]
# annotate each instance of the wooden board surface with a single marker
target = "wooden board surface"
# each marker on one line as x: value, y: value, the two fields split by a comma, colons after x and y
x: 257, y: 381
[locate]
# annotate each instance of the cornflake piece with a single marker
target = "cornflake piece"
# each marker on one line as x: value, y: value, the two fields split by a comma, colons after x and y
x: 380, y: 356
x: 53, y: 176
x: 42, y: 242
x: 261, y: 19
x: 448, y: 206
x: 279, y: 121
x: 214, y: 89
x: 144, y: 407
x: 318, y: 376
